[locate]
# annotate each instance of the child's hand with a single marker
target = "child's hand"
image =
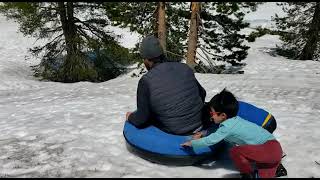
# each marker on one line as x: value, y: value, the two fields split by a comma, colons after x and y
x: 186, y: 144
x: 197, y: 135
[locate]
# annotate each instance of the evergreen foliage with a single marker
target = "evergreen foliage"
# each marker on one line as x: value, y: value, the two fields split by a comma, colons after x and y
x: 300, y: 30
x: 222, y: 22
x: 141, y: 18
x: 72, y: 29
x: 259, y: 31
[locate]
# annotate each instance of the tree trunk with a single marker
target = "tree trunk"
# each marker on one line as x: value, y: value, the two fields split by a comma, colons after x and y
x: 75, y: 68
x: 68, y: 26
x: 193, y: 34
x: 162, y: 25
x: 313, y: 36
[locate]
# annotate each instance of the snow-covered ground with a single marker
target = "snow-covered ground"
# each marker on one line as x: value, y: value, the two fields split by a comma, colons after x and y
x: 53, y: 129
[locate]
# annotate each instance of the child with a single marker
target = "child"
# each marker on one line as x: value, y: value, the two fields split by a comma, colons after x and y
x: 253, y: 143
x: 248, y: 112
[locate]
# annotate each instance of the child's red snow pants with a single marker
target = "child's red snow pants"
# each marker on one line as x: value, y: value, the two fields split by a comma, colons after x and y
x: 266, y: 156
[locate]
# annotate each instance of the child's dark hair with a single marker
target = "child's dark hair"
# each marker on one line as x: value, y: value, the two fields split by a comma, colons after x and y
x: 225, y: 102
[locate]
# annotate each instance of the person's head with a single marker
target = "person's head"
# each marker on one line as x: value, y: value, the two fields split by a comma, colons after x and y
x: 151, y: 51
x: 223, y: 105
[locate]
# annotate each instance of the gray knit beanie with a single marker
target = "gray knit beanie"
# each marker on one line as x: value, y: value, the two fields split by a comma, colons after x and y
x: 150, y: 47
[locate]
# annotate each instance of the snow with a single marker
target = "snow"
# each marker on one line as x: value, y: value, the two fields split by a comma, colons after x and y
x: 265, y: 11
x: 51, y: 129
x: 262, y: 17
x: 128, y: 39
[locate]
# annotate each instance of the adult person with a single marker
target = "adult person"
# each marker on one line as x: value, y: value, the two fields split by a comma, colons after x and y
x: 168, y: 95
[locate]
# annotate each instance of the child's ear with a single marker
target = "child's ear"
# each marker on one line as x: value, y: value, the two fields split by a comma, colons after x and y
x: 224, y: 116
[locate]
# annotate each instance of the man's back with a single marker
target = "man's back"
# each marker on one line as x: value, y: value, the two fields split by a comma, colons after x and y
x: 174, y: 97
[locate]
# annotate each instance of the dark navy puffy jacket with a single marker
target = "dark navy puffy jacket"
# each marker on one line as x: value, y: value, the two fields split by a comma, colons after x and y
x: 171, y: 97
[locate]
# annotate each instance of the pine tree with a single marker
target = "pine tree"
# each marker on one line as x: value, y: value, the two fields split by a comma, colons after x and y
x: 221, y: 24
x: 300, y: 30
x: 143, y: 18
x: 69, y: 34
x: 179, y: 15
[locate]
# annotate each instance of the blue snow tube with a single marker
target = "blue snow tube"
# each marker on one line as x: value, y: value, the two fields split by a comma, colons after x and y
x: 254, y: 114
x: 160, y: 147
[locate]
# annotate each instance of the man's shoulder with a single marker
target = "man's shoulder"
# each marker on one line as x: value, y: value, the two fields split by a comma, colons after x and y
x: 175, y: 63
x: 176, y: 66
x: 169, y: 68
x: 144, y: 78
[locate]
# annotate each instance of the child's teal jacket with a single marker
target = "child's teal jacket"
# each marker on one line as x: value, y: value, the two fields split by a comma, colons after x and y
x: 236, y: 131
